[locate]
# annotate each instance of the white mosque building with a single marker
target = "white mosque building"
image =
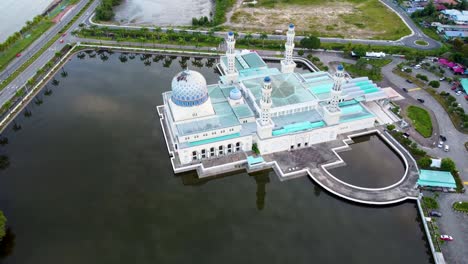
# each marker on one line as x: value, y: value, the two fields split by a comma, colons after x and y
x: 275, y: 109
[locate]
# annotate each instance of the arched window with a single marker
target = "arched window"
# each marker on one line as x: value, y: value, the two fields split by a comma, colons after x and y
x: 238, y: 146
x: 229, y: 148
x: 203, y: 153
x: 194, y: 155
x: 220, y: 150
x: 212, y: 152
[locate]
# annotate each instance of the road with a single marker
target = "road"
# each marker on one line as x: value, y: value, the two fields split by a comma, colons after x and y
x: 30, y: 71
x: 408, y: 41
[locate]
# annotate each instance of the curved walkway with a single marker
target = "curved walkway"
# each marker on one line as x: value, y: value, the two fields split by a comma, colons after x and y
x: 314, y: 160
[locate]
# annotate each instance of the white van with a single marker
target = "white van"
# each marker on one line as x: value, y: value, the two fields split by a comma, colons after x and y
x: 446, y: 148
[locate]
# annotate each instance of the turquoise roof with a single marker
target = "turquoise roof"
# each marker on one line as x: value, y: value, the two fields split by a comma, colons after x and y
x: 464, y: 83
x: 242, y: 111
x: 211, y: 140
x: 254, y: 160
x: 298, y: 127
x: 435, y: 178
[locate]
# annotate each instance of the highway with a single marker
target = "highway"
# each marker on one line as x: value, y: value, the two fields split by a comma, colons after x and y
x: 30, y: 71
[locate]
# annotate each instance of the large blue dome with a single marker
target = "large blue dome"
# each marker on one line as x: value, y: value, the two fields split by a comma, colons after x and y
x: 189, y: 89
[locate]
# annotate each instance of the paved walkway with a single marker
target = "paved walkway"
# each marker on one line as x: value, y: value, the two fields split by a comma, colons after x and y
x: 310, y: 160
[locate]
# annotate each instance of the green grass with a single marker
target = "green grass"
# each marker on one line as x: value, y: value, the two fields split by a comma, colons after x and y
x: 421, y: 42
x: 430, y: 203
x: 461, y: 206
x: 421, y: 120
x: 367, y: 15
x: 379, y: 62
x: 10, y: 54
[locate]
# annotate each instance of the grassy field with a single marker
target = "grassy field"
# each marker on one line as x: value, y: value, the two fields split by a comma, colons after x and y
x: 10, y: 54
x: 367, y: 19
x: 421, y: 120
x: 461, y: 206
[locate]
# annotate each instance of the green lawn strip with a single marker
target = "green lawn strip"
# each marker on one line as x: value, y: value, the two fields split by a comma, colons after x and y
x: 374, y: 73
x: 421, y: 42
x: 379, y: 62
x: 461, y: 206
x: 421, y: 120
x: 25, y: 65
x: 8, y: 55
x: 430, y: 203
x: 456, y: 119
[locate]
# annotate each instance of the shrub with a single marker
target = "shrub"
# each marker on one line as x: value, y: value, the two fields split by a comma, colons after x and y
x: 390, y: 127
x: 424, y: 163
x: 300, y: 52
x: 448, y: 165
x: 435, y: 84
x: 408, y: 70
x: 430, y: 203
x: 422, y: 77
x: 2, y: 225
x: 255, y: 148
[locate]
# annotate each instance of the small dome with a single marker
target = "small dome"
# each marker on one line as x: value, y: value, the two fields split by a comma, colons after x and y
x: 230, y: 33
x: 267, y: 79
x: 189, y: 89
x: 235, y: 94
x: 291, y: 26
x: 340, y: 67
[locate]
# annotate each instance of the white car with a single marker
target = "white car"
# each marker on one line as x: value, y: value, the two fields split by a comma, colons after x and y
x: 458, y: 93
x: 446, y: 148
x: 417, y: 66
x: 441, y: 144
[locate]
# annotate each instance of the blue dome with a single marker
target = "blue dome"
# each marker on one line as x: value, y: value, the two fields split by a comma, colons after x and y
x: 189, y: 89
x: 235, y: 94
x: 230, y: 33
x: 291, y: 25
x: 340, y: 67
x: 267, y: 79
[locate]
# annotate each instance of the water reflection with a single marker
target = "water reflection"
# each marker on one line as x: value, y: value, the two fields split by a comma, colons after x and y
x: 261, y: 178
x: 7, y: 244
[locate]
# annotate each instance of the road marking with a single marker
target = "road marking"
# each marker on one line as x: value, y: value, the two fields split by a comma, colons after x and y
x: 414, y: 89
x: 466, y: 183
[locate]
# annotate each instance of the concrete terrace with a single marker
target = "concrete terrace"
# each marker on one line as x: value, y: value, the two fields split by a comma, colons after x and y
x: 315, y: 160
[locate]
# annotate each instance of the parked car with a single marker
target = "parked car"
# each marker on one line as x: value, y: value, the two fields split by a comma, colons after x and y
x: 446, y: 238
x: 64, y: 34
x: 442, y: 78
x: 417, y: 66
x: 61, y: 41
x: 458, y: 93
x: 435, y: 213
x: 18, y: 55
x: 443, y: 138
x: 213, y: 49
x: 453, y: 88
x: 404, y: 90
x: 466, y: 97
x: 420, y: 100
x: 446, y: 148
x: 441, y: 144
x: 406, y: 135
x: 409, y: 81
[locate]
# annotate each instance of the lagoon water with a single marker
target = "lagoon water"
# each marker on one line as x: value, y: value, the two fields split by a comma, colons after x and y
x: 15, y: 13
x: 90, y: 181
x: 162, y: 12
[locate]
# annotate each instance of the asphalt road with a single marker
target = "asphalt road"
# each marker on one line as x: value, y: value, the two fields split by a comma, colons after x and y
x: 29, y: 72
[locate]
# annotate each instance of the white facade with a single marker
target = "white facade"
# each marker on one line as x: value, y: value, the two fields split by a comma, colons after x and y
x: 254, y: 104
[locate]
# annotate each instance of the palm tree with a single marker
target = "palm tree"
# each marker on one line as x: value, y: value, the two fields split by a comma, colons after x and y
x: 4, y: 163
x: 123, y: 58
x: 3, y: 141
x: 55, y: 82
x: 64, y: 74
x: 16, y: 127
x: 263, y: 36
x: 248, y: 37
x: 38, y: 100
x: 147, y: 62
x: 47, y: 91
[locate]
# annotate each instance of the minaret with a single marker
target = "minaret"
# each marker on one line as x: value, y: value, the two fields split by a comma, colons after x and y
x: 287, y: 64
x: 264, y: 123
x: 231, y: 72
x: 336, y: 90
x: 332, y: 111
x: 265, y: 103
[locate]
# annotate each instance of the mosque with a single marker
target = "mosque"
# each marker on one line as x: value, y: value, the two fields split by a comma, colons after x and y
x: 257, y: 107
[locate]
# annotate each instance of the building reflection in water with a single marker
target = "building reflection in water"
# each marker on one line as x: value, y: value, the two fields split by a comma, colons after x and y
x: 260, y: 177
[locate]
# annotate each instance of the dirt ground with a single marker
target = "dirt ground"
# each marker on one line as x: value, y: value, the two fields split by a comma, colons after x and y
x: 327, y: 20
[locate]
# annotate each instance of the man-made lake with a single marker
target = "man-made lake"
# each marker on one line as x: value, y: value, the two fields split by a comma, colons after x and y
x: 15, y: 13
x: 375, y: 166
x: 90, y: 181
x: 162, y: 12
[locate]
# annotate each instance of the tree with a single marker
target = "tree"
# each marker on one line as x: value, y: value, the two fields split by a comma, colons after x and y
x: 425, y: 162
x: 435, y: 84
x: 2, y: 225
x: 448, y: 165
x: 263, y: 36
x: 390, y: 127
x: 300, y: 52
x: 248, y: 37
x: 310, y: 42
x: 360, y: 51
x: 457, y: 44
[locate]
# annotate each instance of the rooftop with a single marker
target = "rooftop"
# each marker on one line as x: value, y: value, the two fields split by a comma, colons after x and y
x: 434, y: 178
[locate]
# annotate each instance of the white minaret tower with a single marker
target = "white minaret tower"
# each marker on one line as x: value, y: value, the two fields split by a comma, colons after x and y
x: 231, y: 73
x: 332, y: 111
x: 288, y: 65
x: 265, y: 124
